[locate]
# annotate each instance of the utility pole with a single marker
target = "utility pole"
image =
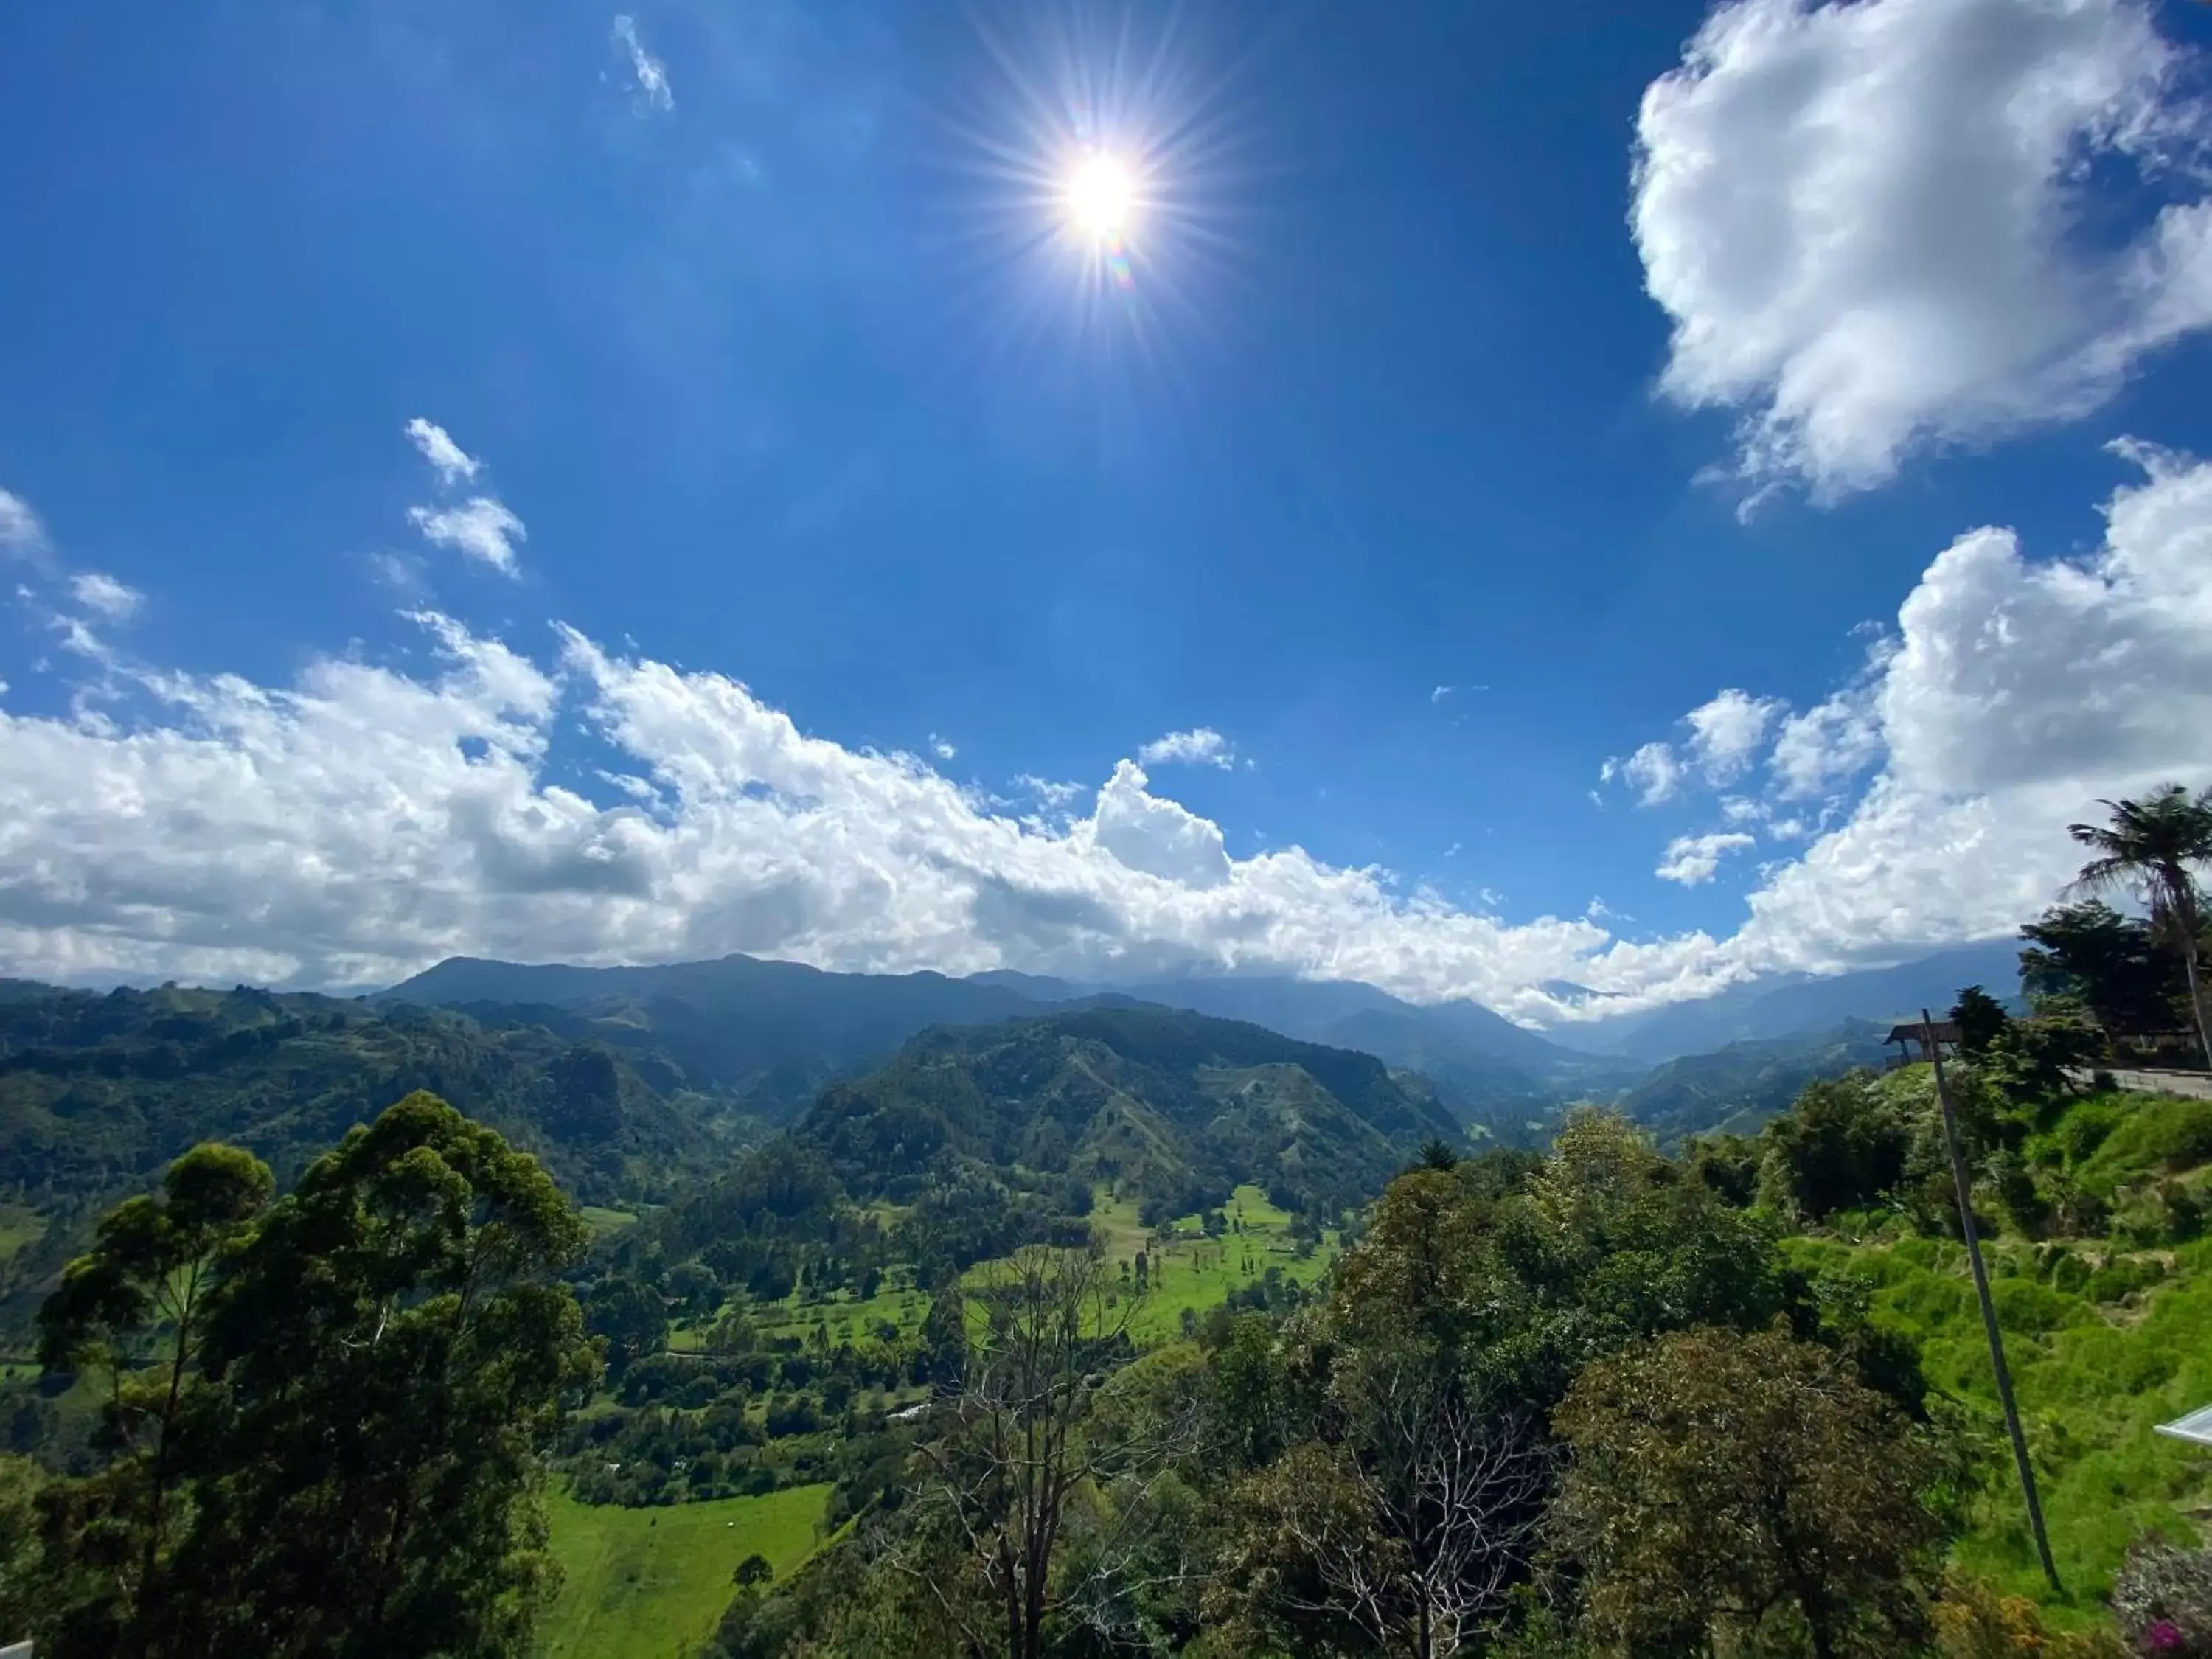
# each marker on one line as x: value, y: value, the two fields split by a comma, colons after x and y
x: 1989, y: 1308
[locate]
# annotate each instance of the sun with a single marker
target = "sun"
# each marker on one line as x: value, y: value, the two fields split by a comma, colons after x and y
x: 1101, y: 195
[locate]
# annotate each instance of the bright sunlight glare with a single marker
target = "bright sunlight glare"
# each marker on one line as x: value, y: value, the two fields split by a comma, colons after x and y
x: 1100, y: 194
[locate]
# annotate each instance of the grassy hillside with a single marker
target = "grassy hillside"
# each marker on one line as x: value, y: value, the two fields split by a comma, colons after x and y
x: 2103, y: 1284
x: 2103, y: 1343
x: 650, y: 1583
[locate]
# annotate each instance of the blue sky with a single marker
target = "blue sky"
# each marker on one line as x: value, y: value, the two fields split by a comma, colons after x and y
x: 1534, y: 354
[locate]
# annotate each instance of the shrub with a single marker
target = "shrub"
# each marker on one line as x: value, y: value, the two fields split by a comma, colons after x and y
x: 2162, y: 1598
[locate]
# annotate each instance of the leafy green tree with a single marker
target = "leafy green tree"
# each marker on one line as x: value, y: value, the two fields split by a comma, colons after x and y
x: 1981, y: 1019
x: 752, y: 1572
x: 2088, y: 956
x: 1723, y: 1483
x: 136, y: 1307
x: 2153, y: 849
x: 1846, y: 1143
x: 944, y: 1334
x: 632, y: 1319
x: 395, y: 1353
x: 1246, y: 1393
x: 26, y: 1591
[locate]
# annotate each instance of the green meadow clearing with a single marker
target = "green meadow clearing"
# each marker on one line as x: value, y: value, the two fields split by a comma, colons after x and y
x: 652, y: 1583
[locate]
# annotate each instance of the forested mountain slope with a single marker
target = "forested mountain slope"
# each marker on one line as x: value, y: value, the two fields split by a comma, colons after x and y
x: 1164, y: 1105
x: 98, y: 1092
x: 1738, y: 1087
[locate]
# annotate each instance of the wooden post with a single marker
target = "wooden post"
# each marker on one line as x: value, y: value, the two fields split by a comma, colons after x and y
x: 1965, y: 1187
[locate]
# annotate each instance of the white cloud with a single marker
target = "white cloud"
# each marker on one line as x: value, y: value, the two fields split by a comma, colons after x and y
x: 1203, y: 747
x: 1441, y: 693
x: 1869, y: 223
x: 1829, y: 743
x: 1726, y: 732
x: 19, y: 529
x: 453, y: 463
x: 1653, y: 770
x: 1050, y: 794
x: 649, y: 73
x: 2015, y: 693
x: 348, y: 828
x: 96, y: 590
x: 352, y: 827
x: 1694, y: 859
x: 941, y: 747
x: 481, y: 527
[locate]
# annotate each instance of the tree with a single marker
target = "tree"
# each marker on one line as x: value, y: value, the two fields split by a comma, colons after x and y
x: 1013, y: 1454
x: 395, y: 1353
x: 136, y: 1307
x: 1722, y: 1481
x: 1981, y: 1020
x: 752, y: 1572
x: 2091, y: 955
x: 2151, y: 848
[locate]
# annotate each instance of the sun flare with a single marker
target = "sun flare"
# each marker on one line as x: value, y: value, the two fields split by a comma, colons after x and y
x: 1101, y: 194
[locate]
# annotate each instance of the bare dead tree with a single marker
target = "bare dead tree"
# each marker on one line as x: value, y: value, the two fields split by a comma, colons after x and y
x: 1426, y: 1518
x: 1046, y: 1325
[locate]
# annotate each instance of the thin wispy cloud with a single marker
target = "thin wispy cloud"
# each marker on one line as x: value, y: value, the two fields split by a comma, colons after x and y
x: 96, y: 590
x: 454, y: 463
x: 481, y: 528
x: 19, y: 529
x: 648, y: 75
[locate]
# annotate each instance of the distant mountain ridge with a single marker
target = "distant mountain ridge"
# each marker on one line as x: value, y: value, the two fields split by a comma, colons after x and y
x: 1763, y: 1010
x: 1738, y: 1087
x: 776, y: 1032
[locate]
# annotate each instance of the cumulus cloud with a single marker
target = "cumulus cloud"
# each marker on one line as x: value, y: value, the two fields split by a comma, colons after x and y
x: 1691, y: 859
x: 943, y: 748
x: 96, y: 590
x: 1868, y: 221
x: 481, y: 527
x: 19, y: 529
x: 1833, y: 741
x: 349, y: 828
x: 647, y: 73
x: 1202, y: 747
x: 1653, y: 771
x: 2015, y: 693
x: 454, y: 463
x: 1726, y: 733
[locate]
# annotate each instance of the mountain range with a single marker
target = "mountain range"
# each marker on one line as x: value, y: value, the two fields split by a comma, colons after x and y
x: 1771, y: 1008
x: 771, y: 1035
x: 774, y: 1033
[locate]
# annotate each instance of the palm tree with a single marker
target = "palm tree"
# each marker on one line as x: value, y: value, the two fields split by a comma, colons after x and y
x: 2151, y: 850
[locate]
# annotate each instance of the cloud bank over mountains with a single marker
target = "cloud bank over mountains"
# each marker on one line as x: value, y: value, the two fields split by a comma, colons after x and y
x: 349, y: 828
